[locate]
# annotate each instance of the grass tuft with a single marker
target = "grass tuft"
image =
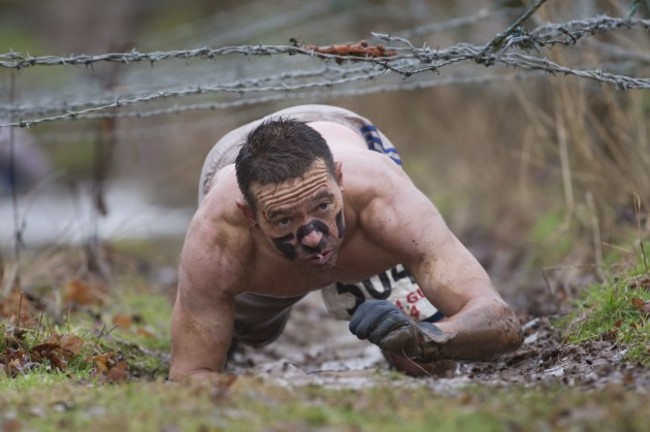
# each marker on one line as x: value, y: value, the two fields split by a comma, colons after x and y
x: 617, y: 310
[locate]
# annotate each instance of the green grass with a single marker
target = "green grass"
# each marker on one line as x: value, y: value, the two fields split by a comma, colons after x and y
x: 611, y: 310
x: 47, y: 403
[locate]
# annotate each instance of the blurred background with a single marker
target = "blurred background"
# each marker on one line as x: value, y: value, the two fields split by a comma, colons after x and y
x: 544, y: 177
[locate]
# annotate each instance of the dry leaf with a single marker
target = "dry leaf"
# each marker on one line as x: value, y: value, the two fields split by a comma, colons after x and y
x: 79, y: 293
x: 57, y: 359
x: 642, y: 305
x: 45, y: 347
x: 123, y: 321
x: 642, y: 282
x: 118, y: 372
x: 618, y: 323
x: 147, y: 332
x: 71, y: 343
x: 14, y: 302
x: 11, y: 425
x: 102, y: 362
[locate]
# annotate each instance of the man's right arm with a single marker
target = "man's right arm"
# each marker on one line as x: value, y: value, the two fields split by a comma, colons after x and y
x: 203, y: 314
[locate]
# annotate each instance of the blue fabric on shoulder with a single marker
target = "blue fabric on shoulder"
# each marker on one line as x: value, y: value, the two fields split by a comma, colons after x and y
x: 375, y: 143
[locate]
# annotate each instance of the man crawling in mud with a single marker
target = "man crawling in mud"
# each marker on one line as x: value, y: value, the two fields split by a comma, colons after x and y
x: 314, y: 198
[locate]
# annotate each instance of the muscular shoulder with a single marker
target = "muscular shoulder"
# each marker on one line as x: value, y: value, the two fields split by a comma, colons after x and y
x: 392, y: 211
x: 371, y: 179
x: 218, y: 241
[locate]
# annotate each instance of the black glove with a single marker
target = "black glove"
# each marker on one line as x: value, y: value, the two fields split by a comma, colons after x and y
x: 385, y: 325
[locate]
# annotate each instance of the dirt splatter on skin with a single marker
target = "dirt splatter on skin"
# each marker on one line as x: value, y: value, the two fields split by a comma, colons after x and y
x: 316, y: 349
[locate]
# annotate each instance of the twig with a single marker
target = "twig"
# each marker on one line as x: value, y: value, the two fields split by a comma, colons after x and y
x: 565, y: 164
x: 101, y: 334
x: 38, y: 327
x: 637, y: 209
x: 14, y: 280
x: 595, y: 227
x: 498, y: 40
x: 416, y: 364
x: 13, y: 178
x: 20, y: 309
x: 550, y: 290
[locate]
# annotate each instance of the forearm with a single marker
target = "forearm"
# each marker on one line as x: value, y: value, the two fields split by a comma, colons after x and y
x: 199, y: 343
x: 482, y: 329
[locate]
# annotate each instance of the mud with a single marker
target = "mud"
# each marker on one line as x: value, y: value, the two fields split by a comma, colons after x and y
x: 318, y: 350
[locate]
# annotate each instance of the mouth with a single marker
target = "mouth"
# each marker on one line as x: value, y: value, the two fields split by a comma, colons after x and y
x: 321, y: 259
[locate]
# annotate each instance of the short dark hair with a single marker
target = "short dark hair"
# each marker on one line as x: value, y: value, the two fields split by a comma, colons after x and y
x: 277, y: 150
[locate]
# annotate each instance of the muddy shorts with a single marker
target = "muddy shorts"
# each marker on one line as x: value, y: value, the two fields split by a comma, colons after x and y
x: 261, y: 319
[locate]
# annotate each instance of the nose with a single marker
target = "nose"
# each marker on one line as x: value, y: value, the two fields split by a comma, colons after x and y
x: 312, y: 239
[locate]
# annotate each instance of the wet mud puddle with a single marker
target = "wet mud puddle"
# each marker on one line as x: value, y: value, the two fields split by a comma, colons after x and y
x: 318, y: 350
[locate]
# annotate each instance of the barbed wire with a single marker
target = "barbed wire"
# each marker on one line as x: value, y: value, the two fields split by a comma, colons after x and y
x: 552, y: 34
x: 381, y: 88
x: 355, y: 62
x: 337, y: 76
x: 403, y: 86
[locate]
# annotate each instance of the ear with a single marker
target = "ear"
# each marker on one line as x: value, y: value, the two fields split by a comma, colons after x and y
x: 247, y: 211
x: 338, y: 168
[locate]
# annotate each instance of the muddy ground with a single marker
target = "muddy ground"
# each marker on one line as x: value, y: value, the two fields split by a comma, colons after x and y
x: 316, y: 349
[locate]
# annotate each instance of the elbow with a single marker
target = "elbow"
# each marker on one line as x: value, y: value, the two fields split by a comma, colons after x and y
x: 511, y: 334
x: 176, y: 375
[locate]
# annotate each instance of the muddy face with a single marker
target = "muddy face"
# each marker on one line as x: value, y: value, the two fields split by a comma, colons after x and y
x: 303, y: 218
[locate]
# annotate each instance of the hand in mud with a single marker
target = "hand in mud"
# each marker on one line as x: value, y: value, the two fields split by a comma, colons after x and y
x: 383, y: 324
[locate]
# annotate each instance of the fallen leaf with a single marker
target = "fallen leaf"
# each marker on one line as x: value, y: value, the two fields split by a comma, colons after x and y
x: 123, y: 321
x: 118, y: 372
x: 72, y: 343
x: 79, y: 293
x: 642, y: 282
x: 56, y: 355
x: 11, y: 425
x: 13, y: 304
x: 101, y: 362
x: 147, y: 332
x: 618, y: 323
x: 642, y: 305
x: 57, y: 359
x: 45, y: 347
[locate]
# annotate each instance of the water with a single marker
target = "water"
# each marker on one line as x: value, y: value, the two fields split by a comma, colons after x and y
x: 55, y: 215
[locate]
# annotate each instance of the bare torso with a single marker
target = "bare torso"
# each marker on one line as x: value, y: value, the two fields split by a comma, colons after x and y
x: 267, y: 272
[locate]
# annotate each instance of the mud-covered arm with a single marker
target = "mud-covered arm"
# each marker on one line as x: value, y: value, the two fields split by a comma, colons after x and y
x: 203, y: 313
x: 479, y: 323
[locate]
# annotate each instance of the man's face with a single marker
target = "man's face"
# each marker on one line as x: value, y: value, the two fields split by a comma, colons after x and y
x: 303, y: 217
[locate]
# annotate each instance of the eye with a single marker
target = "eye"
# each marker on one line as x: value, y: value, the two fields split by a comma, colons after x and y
x: 283, y: 222
x: 324, y: 206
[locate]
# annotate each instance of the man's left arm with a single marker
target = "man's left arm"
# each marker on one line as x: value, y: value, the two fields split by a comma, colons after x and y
x: 479, y: 323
